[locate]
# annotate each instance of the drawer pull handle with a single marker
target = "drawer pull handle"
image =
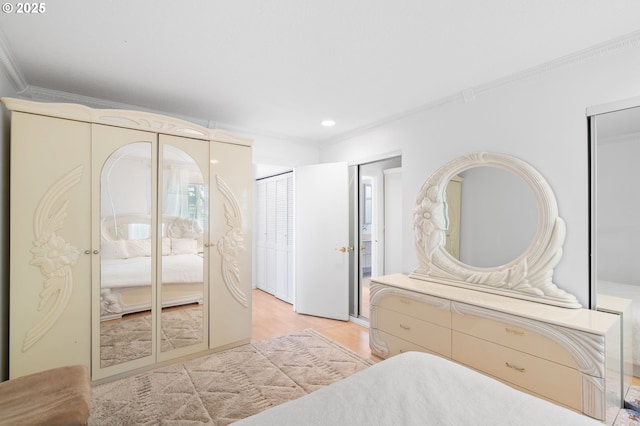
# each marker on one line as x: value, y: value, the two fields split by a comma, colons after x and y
x: 405, y: 301
x: 516, y: 332
x: 405, y: 327
x: 520, y: 369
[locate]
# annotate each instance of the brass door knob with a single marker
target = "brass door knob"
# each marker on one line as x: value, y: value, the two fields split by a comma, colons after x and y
x: 345, y: 249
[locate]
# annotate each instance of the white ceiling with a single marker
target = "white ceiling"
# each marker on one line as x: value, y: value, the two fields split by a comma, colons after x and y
x: 279, y: 67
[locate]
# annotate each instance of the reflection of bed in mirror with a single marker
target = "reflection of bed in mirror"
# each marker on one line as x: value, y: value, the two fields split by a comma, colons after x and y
x: 126, y: 264
x: 632, y: 293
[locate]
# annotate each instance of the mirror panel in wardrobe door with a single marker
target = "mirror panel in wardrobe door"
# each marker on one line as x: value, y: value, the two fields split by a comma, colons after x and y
x: 183, y: 206
x: 124, y: 166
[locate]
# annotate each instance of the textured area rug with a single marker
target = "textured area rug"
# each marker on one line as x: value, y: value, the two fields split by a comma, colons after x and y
x: 221, y: 388
x: 130, y: 338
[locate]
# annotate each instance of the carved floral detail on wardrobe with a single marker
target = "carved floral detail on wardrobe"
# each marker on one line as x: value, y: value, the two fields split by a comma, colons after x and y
x: 232, y: 243
x: 55, y: 256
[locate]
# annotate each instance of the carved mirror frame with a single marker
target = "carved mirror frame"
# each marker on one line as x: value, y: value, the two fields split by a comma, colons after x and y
x: 529, y: 276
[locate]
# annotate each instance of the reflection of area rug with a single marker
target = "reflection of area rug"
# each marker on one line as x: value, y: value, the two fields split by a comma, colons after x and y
x: 130, y: 338
x: 227, y: 386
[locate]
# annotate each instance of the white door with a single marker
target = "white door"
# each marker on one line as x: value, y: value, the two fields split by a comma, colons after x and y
x: 321, y: 252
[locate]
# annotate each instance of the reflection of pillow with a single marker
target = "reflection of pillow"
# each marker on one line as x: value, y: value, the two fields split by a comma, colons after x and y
x: 139, y: 248
x: 113, y: 249
x: 166, y: 246
x: 184, y: 246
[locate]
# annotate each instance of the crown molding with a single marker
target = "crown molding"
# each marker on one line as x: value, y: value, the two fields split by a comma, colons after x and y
x: 10, y: 68
x: 631, y: 40
x: 23, y: 89
x: 43, y: 94
x: 252, y: 133
x: 612, y: 46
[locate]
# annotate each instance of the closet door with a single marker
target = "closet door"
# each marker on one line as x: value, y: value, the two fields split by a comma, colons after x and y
x: 124, y: 200
x: 230, y: 233
x: 183, y: 283
x: 271, y: 235
x: 50, y: 231
x: 261, y: 235
x: 284, y: 237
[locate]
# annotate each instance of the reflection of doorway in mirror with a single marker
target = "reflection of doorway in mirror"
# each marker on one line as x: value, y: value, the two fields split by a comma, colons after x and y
x: 454, y: 199
x: 368, y: 237
x: 366, y: 229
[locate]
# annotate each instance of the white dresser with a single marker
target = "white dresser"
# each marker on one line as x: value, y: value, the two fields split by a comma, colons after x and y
x: 569, y: 356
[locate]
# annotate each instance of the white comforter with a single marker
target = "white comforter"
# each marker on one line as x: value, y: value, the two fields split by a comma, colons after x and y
x: 418, y: 389
x: 136, y: 271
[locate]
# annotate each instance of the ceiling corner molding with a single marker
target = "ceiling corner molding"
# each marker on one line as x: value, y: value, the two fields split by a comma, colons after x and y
x: 252, y: 133
x: 470, y: 94
x: 458, y: 97
x: 43, y: 94
x: 10, y: 68
x: 612, y: 46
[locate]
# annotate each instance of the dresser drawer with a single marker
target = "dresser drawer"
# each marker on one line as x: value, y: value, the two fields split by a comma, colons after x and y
x: 513, y: 336
x: 425, y: 334
x: 397, y: 345
x: 549, y: 379
x: 422, y: 310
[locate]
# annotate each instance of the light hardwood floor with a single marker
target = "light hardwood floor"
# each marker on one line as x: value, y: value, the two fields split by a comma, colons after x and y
x: 272, y: 317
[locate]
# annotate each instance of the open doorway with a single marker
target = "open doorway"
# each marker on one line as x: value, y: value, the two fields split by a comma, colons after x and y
x: 376, y: 230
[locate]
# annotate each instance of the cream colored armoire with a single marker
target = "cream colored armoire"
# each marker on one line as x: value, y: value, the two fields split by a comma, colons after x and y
x: 130, y: 239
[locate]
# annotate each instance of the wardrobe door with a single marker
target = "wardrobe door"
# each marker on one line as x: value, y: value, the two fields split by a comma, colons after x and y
x: 50, y: 290
x: 124, y: 200
x: 230, y: 232
x: 183, y: 205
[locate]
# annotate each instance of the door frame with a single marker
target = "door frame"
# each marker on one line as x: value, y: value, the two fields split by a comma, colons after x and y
x: 355, y: 277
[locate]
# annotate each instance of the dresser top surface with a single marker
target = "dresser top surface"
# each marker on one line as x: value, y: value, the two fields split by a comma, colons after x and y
x: 587, y: 320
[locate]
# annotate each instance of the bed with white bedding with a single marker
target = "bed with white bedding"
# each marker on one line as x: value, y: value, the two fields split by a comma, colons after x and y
x: 126, y: 265
x: 418, y: 389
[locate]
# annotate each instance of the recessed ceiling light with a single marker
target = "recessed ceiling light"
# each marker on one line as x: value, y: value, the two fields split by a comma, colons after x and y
x: 328, y: 123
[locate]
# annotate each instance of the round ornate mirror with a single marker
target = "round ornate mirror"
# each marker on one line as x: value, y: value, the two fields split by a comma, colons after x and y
x: 492, y: 216
x: 524, y: 273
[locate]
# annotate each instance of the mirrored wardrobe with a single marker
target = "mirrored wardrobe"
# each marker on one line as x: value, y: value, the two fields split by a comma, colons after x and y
x: 139, y: 255
x: 615, y: 280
